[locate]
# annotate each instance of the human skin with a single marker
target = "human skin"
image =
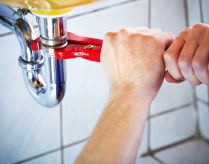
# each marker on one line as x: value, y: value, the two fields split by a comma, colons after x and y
x: 133, y: 63
x: 188, y: 57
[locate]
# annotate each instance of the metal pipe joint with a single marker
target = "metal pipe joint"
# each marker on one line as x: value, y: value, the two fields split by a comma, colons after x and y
x: 45, y: 76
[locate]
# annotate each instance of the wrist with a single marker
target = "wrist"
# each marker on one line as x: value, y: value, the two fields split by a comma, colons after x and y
x: 131, y: 93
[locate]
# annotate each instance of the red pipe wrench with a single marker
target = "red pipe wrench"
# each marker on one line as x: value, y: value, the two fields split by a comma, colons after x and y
x: 78, y: 46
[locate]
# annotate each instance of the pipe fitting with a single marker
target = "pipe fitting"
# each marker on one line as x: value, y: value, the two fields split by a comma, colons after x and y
x: 53, y: 31
x: 45, y: 77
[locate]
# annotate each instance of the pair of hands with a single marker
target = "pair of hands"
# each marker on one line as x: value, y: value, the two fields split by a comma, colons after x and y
x: 138, y: 59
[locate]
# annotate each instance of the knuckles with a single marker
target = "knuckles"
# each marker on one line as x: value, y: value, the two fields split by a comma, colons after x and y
x: 197, y: 64
x: 124, y: 31
x: 110, y: 35
x: 184, y: 33
x: 168, y: 57
x: 200, y: 30
x: 199, y: 27
x: 126, y: 34
x: 201, y: 69
x: 184, y: 63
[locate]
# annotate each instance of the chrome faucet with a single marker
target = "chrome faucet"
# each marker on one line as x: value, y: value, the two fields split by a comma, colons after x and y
x: 42, y: 59
x: 45, y: 76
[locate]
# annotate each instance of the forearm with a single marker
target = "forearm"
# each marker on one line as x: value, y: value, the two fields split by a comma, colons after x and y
x: 117, y: 136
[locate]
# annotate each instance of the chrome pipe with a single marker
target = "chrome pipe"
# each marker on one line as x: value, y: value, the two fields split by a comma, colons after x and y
x: 45, y: 77
x: 53, y: 31
x: 23, y: 30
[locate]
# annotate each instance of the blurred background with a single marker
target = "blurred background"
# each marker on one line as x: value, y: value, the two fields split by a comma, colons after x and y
x: 177, y: 131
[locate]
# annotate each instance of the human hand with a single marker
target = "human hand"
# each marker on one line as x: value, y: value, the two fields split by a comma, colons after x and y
x: 188, y: 56
x: 133, y: 60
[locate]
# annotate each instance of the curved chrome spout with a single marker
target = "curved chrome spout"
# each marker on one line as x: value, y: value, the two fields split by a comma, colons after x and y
x: 44, y: 76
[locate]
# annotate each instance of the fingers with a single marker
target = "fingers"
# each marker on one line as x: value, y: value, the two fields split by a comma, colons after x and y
x: 165, y: 38
x: 171, y: 58
x: 172, y: 54
x: 200, y: 63
x: 188, y: 56
x: 185, y: 60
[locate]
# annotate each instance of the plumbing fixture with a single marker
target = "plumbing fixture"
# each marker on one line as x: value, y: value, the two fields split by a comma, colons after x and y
x: 45, y: 76
x: 42, y: 59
